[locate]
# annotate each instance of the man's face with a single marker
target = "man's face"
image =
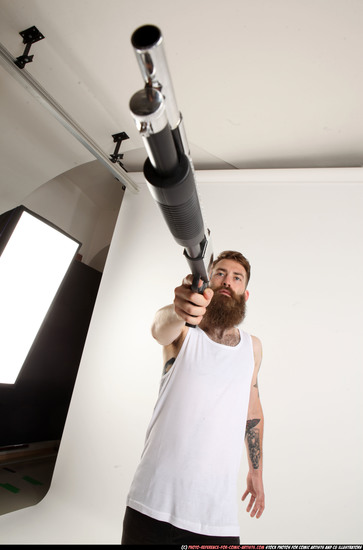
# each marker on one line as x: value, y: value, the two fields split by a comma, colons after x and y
x: 228, y: 306
x: 229, y: 274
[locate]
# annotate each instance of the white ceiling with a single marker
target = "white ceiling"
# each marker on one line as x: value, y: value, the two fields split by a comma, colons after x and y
x: 260, y: 84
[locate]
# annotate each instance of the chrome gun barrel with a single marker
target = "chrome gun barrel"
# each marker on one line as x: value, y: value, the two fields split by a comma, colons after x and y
x: 149, y: 49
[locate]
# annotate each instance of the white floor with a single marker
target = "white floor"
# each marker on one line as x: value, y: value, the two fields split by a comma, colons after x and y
x: 24, y: 483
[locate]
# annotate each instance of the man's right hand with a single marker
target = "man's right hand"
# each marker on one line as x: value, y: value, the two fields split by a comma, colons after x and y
x: 191, y: 306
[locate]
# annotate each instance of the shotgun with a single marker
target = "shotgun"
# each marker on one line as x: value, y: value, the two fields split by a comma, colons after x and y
x: 168, y: 169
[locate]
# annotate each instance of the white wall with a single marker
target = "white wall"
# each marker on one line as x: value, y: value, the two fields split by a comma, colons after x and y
x: 302, y: 231
x: 63, y: 202
x: 101, y: 238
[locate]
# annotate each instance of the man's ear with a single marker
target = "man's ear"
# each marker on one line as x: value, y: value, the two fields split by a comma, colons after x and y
x: 247, y: 295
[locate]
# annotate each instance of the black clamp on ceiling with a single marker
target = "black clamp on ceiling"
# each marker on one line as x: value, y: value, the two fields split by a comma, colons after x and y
x: 30, y: 36
x: 116, y: 157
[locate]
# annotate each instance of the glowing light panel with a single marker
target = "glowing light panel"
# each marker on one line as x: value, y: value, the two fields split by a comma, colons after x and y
x: 32, y: 267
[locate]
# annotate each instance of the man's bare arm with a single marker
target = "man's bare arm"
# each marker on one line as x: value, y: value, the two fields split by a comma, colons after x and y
x: 253, y: 437
x: 167, y: 325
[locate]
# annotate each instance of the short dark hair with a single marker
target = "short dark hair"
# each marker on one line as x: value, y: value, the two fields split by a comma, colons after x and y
x: 237, y: 257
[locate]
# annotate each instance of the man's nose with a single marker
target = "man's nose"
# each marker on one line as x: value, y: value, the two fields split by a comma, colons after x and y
x: 226, y: 281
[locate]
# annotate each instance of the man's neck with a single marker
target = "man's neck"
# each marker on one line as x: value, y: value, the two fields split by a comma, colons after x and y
x: 226, y: 336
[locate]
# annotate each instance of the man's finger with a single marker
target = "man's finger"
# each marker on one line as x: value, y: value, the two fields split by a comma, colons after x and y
x: 208, y: 294
x: 259, y: 513
x: 250, y: 504
x: 257, y: 509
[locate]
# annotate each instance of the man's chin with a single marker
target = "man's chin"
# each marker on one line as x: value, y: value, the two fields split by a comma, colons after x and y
x: 225, y: 311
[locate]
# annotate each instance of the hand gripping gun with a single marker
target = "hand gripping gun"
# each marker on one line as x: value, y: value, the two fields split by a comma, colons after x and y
x: 168, y: 170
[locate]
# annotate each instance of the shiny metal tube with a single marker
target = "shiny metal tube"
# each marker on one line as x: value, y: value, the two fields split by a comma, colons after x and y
x: 147, y: 107
x: 148, y: 110
x: 147, y: 42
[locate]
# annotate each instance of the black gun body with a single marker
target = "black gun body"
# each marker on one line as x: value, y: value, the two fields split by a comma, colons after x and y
x: 177, y: 198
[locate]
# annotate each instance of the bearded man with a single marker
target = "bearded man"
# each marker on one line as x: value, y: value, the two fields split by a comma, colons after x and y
x: 184, y: 490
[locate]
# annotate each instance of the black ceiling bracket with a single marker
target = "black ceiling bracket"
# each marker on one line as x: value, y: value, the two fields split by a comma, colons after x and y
x: 116, y: 157
x: 30, y: 36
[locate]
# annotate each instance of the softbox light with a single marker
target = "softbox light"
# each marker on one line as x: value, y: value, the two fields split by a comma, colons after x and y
x: 35, y: 256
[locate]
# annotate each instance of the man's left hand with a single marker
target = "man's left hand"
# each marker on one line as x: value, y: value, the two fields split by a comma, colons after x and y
x: 256, y: 504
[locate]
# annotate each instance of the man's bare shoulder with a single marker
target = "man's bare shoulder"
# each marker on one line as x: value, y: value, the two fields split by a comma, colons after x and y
x: 178, y: 342
x: 170, y: 351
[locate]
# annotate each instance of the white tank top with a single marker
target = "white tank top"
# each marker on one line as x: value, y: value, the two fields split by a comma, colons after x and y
x: 189, y: 467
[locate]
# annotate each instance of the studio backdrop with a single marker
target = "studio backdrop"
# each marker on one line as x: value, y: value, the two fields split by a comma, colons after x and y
x: 302, y: 231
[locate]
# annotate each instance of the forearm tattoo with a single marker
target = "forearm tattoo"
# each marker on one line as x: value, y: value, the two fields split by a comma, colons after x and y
x: 253, y: 442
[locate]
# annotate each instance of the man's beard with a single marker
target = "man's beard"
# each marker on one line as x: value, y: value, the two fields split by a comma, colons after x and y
x: 225, y: 312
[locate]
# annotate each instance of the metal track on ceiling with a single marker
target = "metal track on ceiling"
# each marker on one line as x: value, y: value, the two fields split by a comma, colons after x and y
x: 39, y: 93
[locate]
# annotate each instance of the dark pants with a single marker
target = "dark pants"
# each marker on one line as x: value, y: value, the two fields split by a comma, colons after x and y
x: 141, y: 529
